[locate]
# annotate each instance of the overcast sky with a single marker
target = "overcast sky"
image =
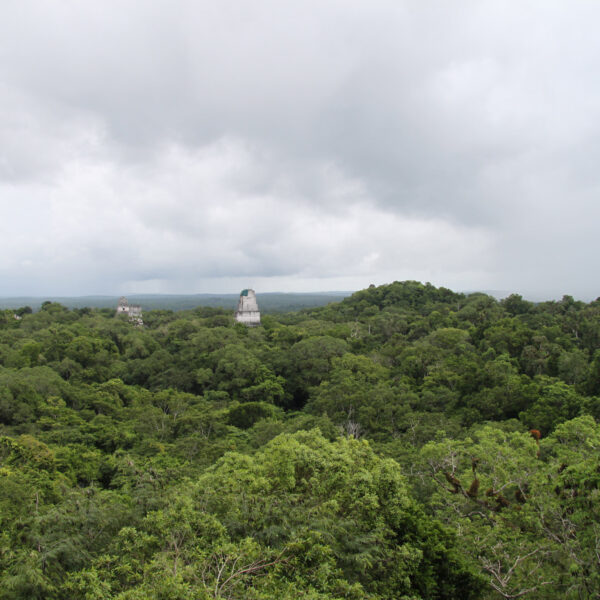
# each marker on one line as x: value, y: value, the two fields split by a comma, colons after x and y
x: 205, y: 146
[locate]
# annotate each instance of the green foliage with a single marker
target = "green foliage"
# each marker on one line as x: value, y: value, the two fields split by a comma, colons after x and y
x: 247, y: 414
x: 527, y: 508
x: 370, y: 531
x: 183, y: 459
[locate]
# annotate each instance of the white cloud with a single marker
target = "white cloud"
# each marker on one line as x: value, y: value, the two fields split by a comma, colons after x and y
x: 191, y: 146
x: 181, y: 220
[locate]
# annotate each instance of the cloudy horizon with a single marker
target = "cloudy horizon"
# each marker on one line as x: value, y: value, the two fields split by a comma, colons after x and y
x: 193, y: 147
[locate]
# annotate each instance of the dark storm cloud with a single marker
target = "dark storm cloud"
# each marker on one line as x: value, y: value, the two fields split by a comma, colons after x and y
x: 189, y: 146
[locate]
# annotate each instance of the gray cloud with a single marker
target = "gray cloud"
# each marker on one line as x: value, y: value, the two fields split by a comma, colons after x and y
x: 193, y: 146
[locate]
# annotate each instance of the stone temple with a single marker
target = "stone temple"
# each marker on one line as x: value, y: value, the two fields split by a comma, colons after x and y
x: 133, y: 311
x: 247, y: 309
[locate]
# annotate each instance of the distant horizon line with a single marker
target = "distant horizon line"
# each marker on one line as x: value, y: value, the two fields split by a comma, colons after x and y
x: 498, y: 294
x: 162, y: 294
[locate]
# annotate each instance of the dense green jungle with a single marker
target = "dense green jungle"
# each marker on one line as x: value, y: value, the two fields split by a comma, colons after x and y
x: 408, y: 442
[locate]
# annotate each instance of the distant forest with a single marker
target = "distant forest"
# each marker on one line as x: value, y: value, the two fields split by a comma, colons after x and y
x: 270, y: 302
x: 406, y: 442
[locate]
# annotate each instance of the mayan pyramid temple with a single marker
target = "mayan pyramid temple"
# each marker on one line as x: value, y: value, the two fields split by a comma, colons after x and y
x: 133, y: 311
x: 247, y: 309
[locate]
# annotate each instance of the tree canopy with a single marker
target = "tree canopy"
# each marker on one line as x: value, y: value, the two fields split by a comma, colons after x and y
x: 407, y: 442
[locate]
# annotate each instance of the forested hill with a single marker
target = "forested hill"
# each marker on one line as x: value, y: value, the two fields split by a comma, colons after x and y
x: 407, y: 442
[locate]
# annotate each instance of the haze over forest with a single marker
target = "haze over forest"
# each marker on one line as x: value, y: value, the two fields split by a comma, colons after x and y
x: 187, y: 147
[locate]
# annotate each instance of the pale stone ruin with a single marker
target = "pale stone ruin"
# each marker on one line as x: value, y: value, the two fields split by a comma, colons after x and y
x: 133, y: 311
x: 247, y: 309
